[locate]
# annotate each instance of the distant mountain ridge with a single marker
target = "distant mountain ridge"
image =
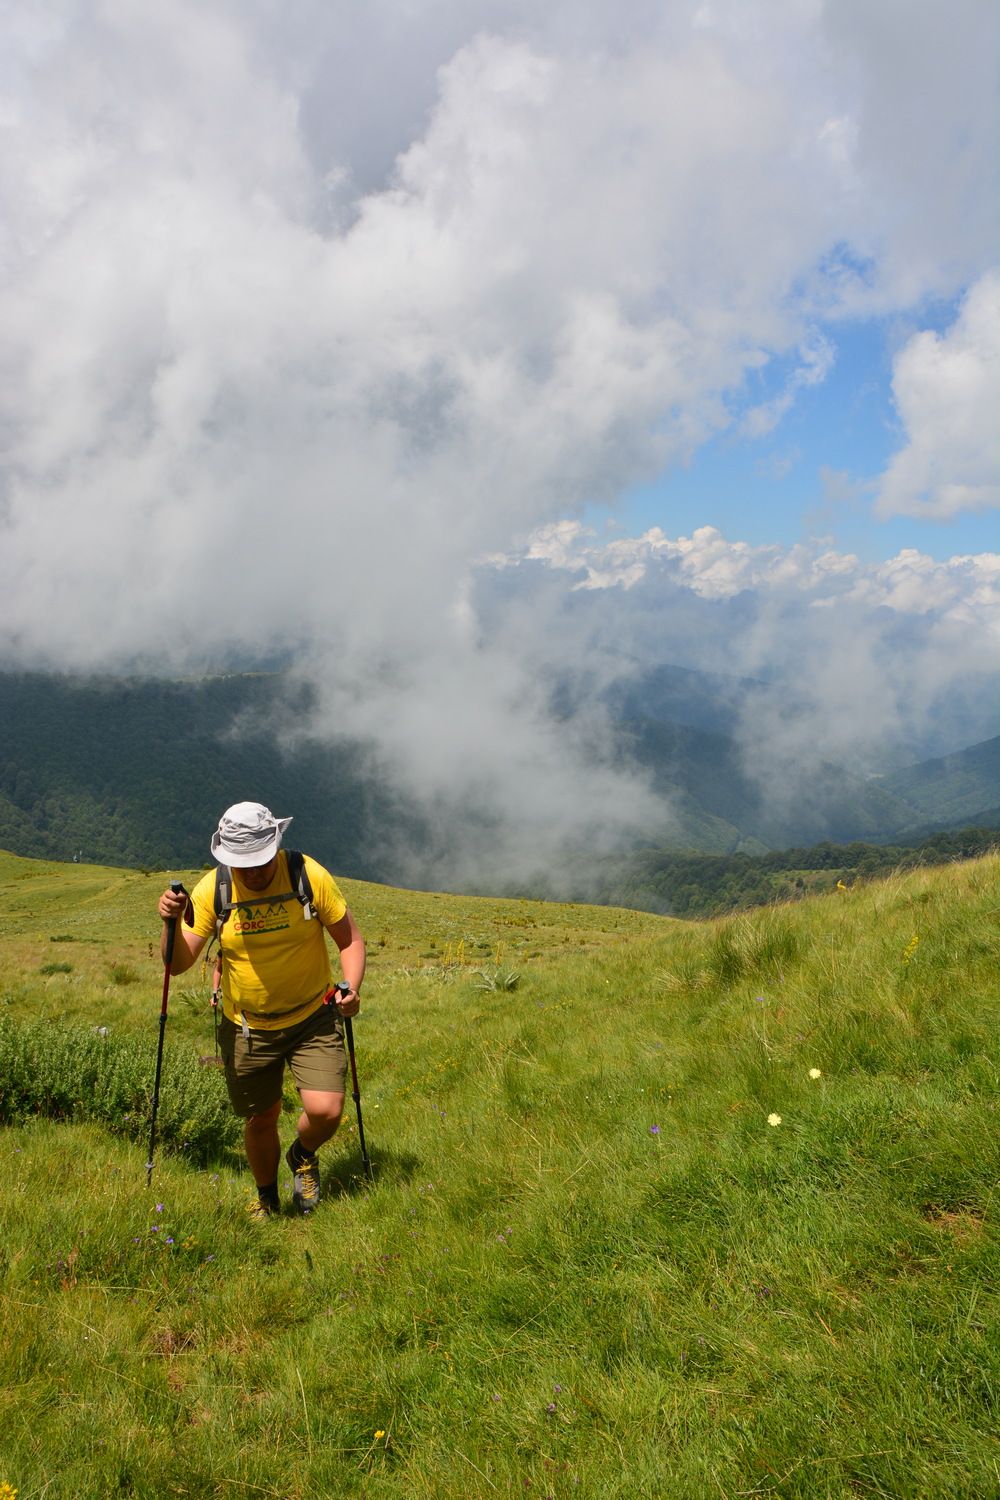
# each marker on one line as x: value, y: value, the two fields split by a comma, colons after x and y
x: 951, y: 787
x: 721, y: 809
x: 968, y: 713
x: 708, y: 701
x: 135, y: 772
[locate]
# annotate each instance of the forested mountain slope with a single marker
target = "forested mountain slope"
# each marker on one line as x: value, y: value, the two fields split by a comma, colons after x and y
x: 136, y: 772
x: 952, y: 787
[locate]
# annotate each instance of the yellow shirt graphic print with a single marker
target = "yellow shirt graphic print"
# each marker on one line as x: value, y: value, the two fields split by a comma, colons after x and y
x: 269, y: 918
x: 276, y: 959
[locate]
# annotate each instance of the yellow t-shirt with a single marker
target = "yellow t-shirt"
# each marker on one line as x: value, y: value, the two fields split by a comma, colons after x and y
x: 276, y: 960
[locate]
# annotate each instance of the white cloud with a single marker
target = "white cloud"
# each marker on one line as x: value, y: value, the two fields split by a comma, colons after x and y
x: 872, y: 654
x: 307, y: 308
x: 715, y: 568
x: 817, y: 359
x: 947, y: 391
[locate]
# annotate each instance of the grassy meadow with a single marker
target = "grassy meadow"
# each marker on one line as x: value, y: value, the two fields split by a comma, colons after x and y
x: 691, y: 1210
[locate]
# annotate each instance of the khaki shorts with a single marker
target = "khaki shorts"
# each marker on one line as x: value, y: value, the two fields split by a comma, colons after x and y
x: 255, y: 1066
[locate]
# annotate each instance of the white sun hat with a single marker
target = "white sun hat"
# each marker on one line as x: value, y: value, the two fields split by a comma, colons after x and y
x: 248, y: 834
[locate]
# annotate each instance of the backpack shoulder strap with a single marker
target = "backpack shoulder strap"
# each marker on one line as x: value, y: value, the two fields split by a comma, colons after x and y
x: 223, y: 899
x: 300, y: 882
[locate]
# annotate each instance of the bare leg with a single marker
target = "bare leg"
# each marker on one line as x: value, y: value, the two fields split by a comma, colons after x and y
x: 263, y: 1148
x: 321, y: 1114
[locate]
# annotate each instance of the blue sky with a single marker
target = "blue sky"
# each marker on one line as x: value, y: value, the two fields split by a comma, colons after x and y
x: 771, y: 490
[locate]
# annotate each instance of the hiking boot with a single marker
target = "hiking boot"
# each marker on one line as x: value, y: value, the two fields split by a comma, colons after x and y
x: 258, y: 1211
x: 305, y: 1178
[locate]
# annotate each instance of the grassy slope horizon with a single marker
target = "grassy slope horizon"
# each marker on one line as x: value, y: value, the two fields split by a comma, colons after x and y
x: 696, y: 1209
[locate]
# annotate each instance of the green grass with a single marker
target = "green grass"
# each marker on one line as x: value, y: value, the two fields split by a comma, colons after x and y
x: 588, y: 1266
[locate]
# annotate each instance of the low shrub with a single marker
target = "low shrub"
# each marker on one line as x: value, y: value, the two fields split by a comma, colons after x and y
x: 122, y: 973
x: 67, y: 1074
x: 496, y: 979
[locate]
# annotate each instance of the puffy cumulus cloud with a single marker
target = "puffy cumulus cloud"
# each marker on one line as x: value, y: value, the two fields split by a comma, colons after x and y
x: 947, y: 392
x: 715, y: 568
x: 305, y: 309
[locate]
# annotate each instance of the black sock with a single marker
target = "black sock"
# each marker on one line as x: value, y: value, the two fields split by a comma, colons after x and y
x: 268, y: 1194
x: 298, y: 1152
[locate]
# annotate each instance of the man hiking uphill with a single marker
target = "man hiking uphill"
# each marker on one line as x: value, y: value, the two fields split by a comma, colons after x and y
x: 270, y: 908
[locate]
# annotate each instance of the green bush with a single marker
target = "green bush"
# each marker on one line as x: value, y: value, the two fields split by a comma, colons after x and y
x: 69, y: 1074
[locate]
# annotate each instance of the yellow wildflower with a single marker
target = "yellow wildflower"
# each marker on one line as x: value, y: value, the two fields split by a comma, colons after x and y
x: 379, y: 1434
x: 774, y: 1119
x: 7, y: 1491
x: 815, y: 1072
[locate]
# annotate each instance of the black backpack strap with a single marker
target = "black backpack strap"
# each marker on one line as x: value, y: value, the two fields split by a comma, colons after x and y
x: 223, y: 900
x: 301, y: 890
x: 301, y: 886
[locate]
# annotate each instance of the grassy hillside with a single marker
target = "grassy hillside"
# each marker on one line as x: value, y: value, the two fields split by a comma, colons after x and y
x: 693, y: 1210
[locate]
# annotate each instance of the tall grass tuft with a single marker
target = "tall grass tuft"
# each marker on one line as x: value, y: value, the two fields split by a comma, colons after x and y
x: 757, y: 947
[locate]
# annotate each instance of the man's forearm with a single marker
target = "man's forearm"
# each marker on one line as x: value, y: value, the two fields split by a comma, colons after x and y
x: 352, y: 963
x: 183, y: 958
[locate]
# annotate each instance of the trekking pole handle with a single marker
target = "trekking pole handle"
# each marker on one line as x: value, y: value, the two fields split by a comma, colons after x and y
x: 177, y: 886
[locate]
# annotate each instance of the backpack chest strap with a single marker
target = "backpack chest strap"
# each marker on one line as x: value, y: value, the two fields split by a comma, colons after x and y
x: 224, y: 903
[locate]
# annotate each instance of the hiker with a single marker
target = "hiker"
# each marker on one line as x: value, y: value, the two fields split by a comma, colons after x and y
x: 269, y: 908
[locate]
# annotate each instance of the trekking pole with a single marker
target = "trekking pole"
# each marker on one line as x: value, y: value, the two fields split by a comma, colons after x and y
x: 177, y: 887
x: 356, y: 1096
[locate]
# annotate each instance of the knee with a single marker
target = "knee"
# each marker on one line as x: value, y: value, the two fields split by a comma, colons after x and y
x: 263, y: 1123
x: 326, y: 1116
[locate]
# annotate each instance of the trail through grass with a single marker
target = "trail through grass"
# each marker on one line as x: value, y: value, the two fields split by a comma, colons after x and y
x: 589, y: 1265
